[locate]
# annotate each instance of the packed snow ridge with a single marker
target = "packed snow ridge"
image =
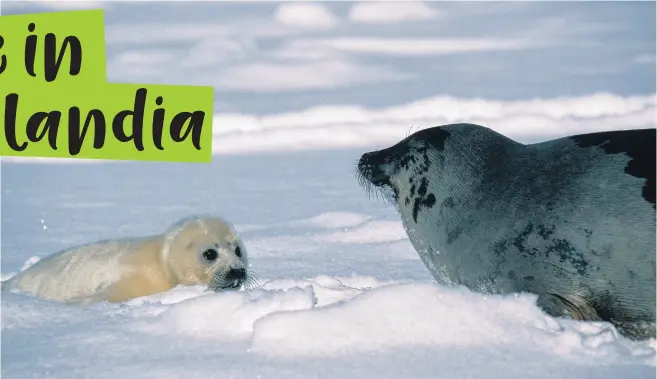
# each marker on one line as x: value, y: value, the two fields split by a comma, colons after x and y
x: 334, y: 316
x: 354, y: 126
x: 351, y: 126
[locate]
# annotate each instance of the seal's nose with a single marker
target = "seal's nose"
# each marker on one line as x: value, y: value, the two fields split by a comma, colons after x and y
x: 236, y: 274
x: 370, y: 170
x: 365, y: 165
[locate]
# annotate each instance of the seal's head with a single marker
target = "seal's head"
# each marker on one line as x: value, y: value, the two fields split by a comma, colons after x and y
x: 206, y: 250
x: 402, y: 172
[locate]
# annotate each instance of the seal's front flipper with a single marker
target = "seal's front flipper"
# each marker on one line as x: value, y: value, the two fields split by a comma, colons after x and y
x: 573, y: 307
x: 636, y: 330
x: 576, y: 308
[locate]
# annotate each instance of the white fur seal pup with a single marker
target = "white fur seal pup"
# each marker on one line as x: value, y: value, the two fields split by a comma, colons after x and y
x: 571, y: 220
x: 197, y: 250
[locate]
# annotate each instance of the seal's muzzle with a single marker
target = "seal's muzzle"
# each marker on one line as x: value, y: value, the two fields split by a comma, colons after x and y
x: 369, y: 168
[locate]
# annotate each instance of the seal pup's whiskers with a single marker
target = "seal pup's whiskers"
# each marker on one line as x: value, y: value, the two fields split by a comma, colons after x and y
x: 252, y: 281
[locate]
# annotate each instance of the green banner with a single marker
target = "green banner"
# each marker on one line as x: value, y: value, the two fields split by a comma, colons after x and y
x: 56, y: 101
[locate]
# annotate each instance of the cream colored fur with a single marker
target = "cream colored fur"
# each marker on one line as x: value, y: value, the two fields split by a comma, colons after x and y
x: 122, y: 269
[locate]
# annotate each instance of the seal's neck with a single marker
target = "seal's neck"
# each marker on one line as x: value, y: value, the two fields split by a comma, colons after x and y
x: 472, y: 166
x: 463, y: 181
x: 161, y: 253
x: 473, y: 153
x: 141, y: 266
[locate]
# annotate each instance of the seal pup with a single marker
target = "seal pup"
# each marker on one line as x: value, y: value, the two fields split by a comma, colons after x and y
x: 571, y: 220
x: 197, y: 250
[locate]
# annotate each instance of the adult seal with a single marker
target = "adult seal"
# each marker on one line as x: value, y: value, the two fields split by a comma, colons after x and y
x: 571, y: 220
x: 199, y: 250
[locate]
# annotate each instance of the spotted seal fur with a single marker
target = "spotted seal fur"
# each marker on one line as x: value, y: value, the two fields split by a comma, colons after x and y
x: 571, y: 219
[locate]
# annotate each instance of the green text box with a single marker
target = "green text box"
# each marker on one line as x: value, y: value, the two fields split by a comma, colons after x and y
x: 87, y: 26
x: 25, y: 100
x: 111, y: 99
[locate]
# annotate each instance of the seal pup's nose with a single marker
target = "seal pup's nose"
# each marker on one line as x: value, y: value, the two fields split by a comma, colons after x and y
x: 236, y: 274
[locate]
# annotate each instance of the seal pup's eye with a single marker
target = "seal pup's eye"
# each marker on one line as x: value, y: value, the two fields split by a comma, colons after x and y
x: 238, y: 252
x: 210, y: 254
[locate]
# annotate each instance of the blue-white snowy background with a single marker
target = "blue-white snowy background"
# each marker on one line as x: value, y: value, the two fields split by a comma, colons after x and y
x: 302, y: 89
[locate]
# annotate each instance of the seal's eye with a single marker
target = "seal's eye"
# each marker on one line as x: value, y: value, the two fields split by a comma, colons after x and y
x: 238, y: 252
x: 210, y: 254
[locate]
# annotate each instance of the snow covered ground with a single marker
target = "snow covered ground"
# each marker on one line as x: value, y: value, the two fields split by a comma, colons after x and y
x: 343, y: 293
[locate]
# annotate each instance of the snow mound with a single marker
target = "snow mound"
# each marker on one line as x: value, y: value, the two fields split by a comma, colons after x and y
x: 327, y: 289
x: 411, y: 315
x: 323, y: 319
x: 194, y: 311
x: 228, y: 315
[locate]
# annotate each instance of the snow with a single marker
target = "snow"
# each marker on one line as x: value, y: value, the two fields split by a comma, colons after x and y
x: 343, y: 294
x: 336, y: 126
x: 340, y: 126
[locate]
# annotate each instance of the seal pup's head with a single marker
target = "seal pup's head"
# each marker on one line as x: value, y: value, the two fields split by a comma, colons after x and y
x: 206, y: 250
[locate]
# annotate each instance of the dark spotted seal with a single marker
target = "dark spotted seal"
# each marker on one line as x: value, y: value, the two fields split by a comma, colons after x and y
x: 571, y: 220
